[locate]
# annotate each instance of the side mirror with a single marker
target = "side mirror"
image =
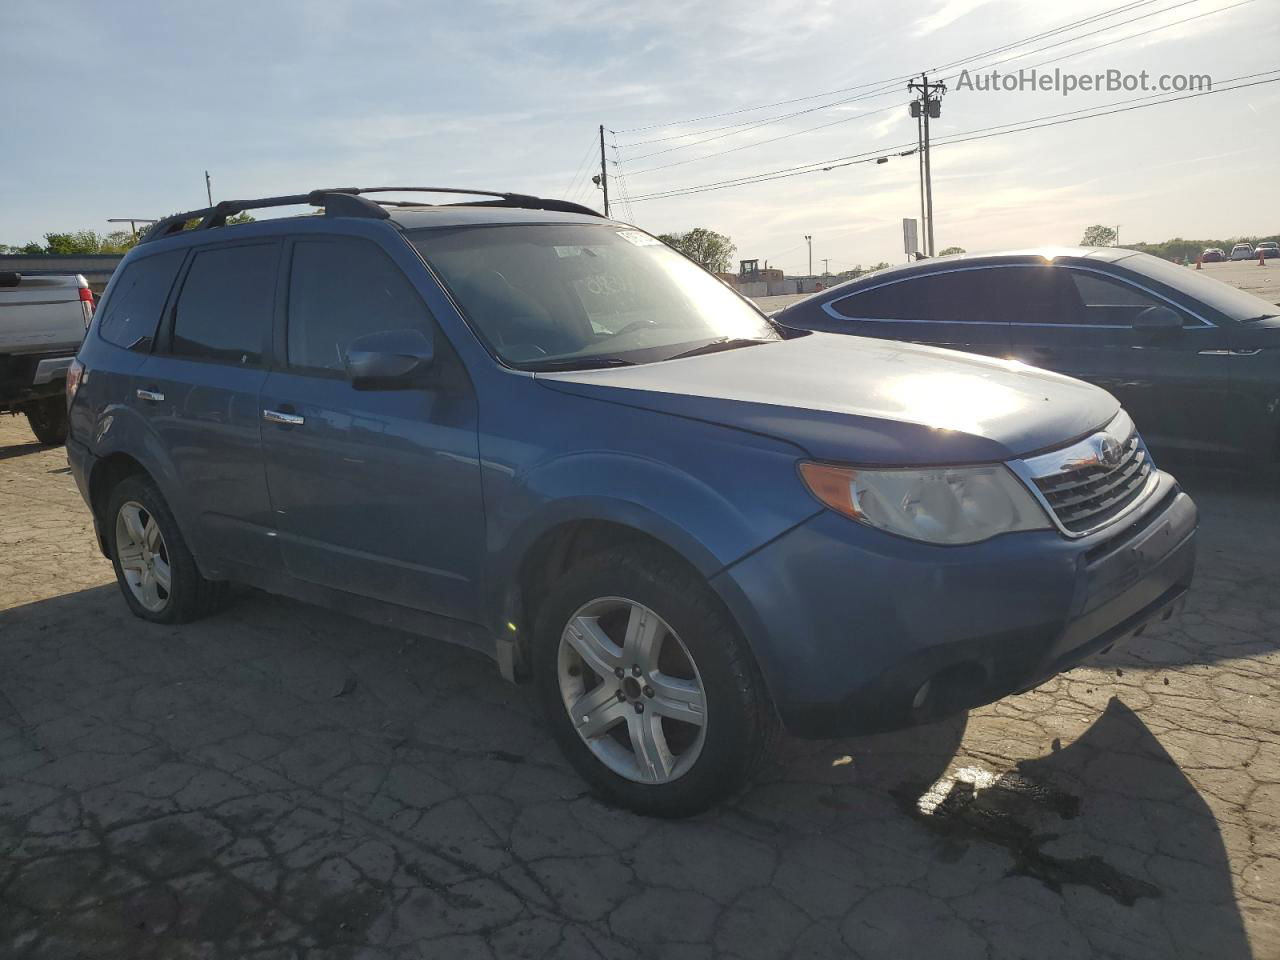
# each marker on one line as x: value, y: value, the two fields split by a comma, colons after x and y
x: 390, y: 360
x: 1157, y: 321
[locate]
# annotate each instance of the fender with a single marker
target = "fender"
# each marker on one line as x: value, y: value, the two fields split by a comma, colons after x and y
x: 119, y: 429
x: 676, y: 507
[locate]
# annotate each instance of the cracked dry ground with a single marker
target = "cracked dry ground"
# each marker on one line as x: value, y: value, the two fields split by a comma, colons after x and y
x: 279, y: 781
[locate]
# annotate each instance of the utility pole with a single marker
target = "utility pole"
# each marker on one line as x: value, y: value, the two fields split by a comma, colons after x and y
x: 809, y: 240
x: 826, y: 266
x: 603, y: 179
x: 1117, y: 234
x: 928, y: 105
x: 208, y: 187
x: 920, y: 163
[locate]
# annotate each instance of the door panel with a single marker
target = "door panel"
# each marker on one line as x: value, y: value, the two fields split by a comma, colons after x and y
x: 199, y: 393
x: 953, y: 309
x: 1172, y: 383
x: 376, y: 492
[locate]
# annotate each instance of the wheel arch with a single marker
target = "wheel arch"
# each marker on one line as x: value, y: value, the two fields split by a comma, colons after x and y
x: 566, y: 537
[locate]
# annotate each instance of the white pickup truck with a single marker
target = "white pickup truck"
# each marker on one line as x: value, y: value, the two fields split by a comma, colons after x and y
x: 43, y: 318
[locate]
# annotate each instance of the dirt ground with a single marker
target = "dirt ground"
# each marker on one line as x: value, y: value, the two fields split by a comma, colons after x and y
x: 281, y: 782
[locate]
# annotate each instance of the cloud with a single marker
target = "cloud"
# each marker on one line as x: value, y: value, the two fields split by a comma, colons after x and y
x: 945, y: 15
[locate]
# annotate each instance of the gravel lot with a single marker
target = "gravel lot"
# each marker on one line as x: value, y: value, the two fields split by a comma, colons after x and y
x: 279, y: 781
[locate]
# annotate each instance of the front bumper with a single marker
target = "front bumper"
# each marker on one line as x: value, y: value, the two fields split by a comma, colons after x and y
x: 858, y: 631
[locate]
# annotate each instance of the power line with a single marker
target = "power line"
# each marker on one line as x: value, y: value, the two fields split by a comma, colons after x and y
x: 1112, y: 26
x: 761, y: 143
x: 982, y: 133
x: 1084, y: 21
x: 578, y: 171
x: 747, y: 126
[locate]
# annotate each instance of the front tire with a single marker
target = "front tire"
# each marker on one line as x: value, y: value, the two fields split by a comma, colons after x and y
x: 154, y: 567
x: 48, y: 419
x: 647, y: 686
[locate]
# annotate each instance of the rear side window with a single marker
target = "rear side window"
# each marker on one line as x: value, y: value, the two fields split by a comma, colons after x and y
x: 340, y: 290
x: 133, y: 311
x: 224, y: 310
x: 961, y: 296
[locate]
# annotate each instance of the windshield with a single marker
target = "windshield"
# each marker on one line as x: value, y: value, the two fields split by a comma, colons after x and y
x: 1226, y: 299
x: 584, y: 295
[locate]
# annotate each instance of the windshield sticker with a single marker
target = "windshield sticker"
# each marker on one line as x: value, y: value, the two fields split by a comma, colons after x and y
x: 638, y: 238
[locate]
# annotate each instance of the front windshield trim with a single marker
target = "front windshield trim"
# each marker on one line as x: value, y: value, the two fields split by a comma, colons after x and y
x: 761, y: 329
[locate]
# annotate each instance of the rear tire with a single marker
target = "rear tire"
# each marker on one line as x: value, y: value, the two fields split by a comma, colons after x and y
x: 48, y: 419
x: 154, y: 567
x: 667, y: 739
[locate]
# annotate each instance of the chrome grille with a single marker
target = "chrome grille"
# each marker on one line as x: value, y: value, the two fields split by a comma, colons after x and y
x: 1095, y: 481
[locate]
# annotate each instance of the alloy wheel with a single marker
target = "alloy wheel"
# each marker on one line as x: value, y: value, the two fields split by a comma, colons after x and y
x: 632, y: 690
x: 143, y: 556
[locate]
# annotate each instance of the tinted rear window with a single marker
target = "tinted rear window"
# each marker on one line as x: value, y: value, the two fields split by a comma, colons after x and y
x: 224, y: 310
x: 959, y: 296
x: 132, y: 313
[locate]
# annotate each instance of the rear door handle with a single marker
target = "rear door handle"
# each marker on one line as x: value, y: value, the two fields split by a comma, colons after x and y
x: 154, y: 396
x: 280, y: 416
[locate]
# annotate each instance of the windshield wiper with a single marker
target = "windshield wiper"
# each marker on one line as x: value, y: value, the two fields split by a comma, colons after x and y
x: 1261, y: 316
x: 578, y: 363
x: 715, y: 346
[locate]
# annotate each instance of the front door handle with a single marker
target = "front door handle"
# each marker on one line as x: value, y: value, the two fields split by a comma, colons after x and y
x: 155, y: 396
x: 280, y: 416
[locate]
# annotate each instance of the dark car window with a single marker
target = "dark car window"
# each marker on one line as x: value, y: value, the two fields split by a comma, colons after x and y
x: 224, y: 310
x: 1033, y: 294
x: 1105, y: 301
x: 340, y: 290
x: 960, y: 296
x: 133, y: 311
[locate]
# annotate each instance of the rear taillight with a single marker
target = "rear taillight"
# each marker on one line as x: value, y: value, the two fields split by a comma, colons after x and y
x: 86, y: 304
x: 75, y: 375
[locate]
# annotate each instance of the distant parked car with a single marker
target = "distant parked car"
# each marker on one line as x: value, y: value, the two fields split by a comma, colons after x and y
x: 1268, y: 249
x: 43, y: 318
x: 1242, y: 251
x: 1213, y: 255
x: 1196, y: 361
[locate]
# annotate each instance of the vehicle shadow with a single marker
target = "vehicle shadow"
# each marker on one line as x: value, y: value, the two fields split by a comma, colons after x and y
x: 22, y: 449
x: 279, y: 775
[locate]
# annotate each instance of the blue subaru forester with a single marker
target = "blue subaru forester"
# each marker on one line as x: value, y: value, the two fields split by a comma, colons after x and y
x: 512, y: 424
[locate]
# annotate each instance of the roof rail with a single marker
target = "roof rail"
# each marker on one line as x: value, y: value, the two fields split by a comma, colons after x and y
x: 349, y: 202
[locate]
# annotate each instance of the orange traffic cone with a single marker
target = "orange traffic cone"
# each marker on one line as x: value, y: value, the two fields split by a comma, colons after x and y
x: 1262, y: 260
x: 1199, y: 258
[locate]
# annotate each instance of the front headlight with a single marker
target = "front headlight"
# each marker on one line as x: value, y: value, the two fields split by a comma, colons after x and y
x: 950, y: 505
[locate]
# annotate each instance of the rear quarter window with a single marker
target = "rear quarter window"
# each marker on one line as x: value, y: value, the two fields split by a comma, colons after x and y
x: 132, y: 312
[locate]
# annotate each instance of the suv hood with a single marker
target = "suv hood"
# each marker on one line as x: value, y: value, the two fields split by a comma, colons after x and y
x: 858, y: 400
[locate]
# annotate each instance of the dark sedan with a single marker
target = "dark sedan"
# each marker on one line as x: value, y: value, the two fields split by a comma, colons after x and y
x: 1195, y: 361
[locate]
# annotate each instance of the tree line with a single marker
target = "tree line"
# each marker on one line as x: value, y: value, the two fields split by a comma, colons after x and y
x: 1100, y: 235
x: 88, y: 242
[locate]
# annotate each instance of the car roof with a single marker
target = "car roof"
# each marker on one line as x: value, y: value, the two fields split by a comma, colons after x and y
x: 470, y: 215
x: 988, y: 258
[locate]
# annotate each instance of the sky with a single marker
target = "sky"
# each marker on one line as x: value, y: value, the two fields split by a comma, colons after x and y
x: 116, y: 110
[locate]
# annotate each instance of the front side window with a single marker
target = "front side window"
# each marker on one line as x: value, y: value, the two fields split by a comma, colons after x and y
x: 340, y: 290
x: 133, y: 311
x: 224, y: 310
x: 550, y: 295
x: 1108, y: 302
